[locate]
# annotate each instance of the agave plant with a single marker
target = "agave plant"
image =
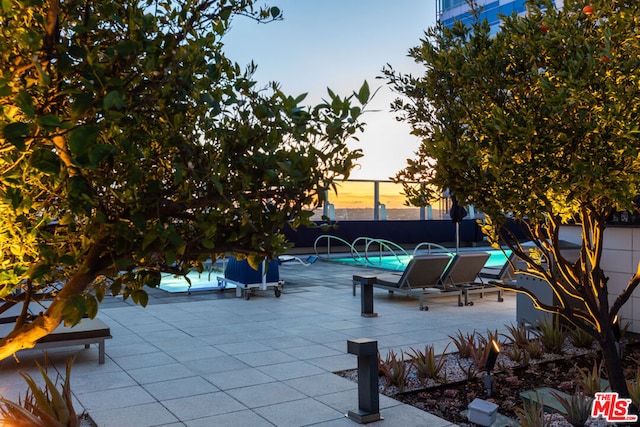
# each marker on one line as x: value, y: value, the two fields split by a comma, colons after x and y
x: 580, y: 338
x: 42, y: 407
x: 531, y: 414
x: 465, y: 344
x: 577, y: 408
x: 519, y: 335
x: 552, y: 334
x: 395, y: 370
x: 427, y: 364
x: 634, y: 389
x: 589, y: 381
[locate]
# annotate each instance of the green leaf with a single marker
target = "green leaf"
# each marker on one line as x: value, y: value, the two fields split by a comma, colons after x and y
x: 91, y: 306
x: 5, y: 89
x: 81, y: 104
x: 16, y: 133
x: 275, y: 12
x: 113, y: 100
x: 82, y: 138
x: 139, y: 296
x: 123, y: 263
x: 99, y: 153
x: 364, y: 93
x: 45, y: 161
x: 49, y: 120
x: 25, y: 102
x: 38, y: 270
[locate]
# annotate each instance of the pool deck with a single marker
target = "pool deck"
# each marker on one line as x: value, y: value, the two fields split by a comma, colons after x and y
x: 211, y: 359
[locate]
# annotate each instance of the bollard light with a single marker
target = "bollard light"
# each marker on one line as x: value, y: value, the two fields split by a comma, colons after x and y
x: 489, y: 364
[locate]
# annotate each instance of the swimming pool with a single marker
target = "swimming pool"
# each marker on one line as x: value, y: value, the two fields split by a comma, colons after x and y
x: 497, y: 258
x: 205, y: 281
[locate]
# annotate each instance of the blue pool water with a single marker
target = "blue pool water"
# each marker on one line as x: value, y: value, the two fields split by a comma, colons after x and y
x: 206, y: 281
x: 497, y: 258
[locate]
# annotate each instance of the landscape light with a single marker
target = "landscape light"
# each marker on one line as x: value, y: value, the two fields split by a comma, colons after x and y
x: 494, y: 350
x: 489, y: 364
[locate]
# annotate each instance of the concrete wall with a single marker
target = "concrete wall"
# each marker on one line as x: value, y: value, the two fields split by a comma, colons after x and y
x: 619, y: 261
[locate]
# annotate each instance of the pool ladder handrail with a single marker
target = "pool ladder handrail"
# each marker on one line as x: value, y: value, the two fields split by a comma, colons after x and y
x: 429, y: 245
x: 354, y: 252
x: 384, y: 246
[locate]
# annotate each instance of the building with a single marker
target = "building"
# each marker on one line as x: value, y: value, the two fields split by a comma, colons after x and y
x: 449, y: 11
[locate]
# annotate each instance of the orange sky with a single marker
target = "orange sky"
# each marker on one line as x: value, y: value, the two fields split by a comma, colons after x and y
x: 357, y: 194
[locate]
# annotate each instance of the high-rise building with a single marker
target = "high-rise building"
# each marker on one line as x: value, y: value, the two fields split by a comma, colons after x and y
x: 449, y: 11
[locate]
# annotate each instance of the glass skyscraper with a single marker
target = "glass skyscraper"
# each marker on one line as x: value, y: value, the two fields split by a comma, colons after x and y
x: 449, y: 11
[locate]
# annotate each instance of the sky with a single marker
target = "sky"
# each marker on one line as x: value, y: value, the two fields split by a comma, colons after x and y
x: 340, y: 44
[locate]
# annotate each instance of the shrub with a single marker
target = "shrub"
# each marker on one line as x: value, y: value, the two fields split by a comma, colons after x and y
x: 42, y: 407
x: 534, y: 348
x: 531, y: 415
x: 577, y: 408
x: 634, y: 389
x: 394, y: 370
x: 465, y: 344
x: 552, y: 334
x: 427, y: 364
x: 519, y: 335
x: 580, y: 338
x: 589, y: 381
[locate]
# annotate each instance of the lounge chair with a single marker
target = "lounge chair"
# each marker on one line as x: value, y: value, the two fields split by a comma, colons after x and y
x: 502, y: 274
x: 88, y: 331
x: 421, y: 279
x: 464, y: 273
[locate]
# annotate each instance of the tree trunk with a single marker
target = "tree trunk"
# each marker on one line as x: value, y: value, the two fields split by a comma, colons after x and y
x: 617, y: 381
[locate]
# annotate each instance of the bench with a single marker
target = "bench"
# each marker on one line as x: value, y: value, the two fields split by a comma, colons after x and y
x: 87, y: 332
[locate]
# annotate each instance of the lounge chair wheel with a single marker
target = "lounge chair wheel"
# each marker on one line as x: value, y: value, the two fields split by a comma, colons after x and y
x: 500, y: 299
x: 425, y: 309
x: 460, y: 304
x: 277, y: 292
x: 470, y: 303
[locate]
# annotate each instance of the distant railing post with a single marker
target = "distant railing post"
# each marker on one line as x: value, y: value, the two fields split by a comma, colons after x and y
x: 368, y: 399
x: 376, y: 200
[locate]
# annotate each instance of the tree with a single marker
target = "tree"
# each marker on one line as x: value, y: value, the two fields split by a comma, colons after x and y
x: 537, y: 123
x: 131, y: 145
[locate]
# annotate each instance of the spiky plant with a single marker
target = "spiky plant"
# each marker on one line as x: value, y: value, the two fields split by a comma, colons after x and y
x: 531, y: 414
x: 552, y: 334
x: 464, y: 343
x: 519, y: 335
x: 589, y: 381
x: 426, y: 364
x: 577, y: 408
x: 395, y: 370
x: 580, y: 338
x: 42, y: 407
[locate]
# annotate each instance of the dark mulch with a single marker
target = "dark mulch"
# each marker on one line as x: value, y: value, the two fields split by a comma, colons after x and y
x: 449, y: 400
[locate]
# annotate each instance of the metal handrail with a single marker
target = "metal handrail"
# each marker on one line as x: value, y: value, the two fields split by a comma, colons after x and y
x: 354, y: 252
x: 384, y: 245
x: 429, y: 245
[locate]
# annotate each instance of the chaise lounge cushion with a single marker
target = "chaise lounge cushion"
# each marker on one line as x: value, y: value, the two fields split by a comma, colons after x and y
x: 88, y: 328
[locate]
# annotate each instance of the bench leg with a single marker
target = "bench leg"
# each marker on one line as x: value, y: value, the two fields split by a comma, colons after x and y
x: 101, y: 352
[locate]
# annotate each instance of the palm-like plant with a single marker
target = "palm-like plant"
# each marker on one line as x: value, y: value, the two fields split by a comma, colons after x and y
x: 42, y: 407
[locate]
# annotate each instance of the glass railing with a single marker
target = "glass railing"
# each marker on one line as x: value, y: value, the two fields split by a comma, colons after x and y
x: 378, y: 200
